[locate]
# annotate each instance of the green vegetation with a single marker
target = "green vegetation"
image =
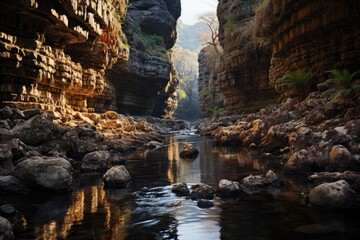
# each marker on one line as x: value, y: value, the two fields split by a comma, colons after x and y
x: 344, y: 81
x: 181, y: 93
x: 150, y: 43
x: 297, y: 81
x: 230, y: 22
x: 216, y: 112
x: 260, y: 4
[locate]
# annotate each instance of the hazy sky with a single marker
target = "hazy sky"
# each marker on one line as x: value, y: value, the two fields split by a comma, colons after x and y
x: 190, y: 9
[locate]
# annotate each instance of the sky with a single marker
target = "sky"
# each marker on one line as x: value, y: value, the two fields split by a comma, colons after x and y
x: 191, y: 9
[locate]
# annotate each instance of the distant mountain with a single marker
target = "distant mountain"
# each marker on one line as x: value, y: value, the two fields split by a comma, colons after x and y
x: 188, y: 36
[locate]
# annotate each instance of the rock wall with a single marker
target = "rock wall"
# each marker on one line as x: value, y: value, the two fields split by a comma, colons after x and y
x: 146, y: 84
x: 244, y: 78
x: 312, y: 35
x: 209, y: 92
x: 54, y: 54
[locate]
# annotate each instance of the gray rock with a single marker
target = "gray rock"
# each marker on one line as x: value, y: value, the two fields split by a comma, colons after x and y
x: 6, y: 113
x: 50, y: 173
x: 31, y: 113
x: 117, y: 177
x: 189, y: 152
x: 4, y: 124
x: 17, y: 114
x: 7, y: 210
x: 202, y: 191
x: 228, y: 188
x: 12, y: 185
x: 180, y: 189
x: 204, y: 203
x: 96, y: 161
x: 256, y: 183
x: 6, y: 232
x: 337, y: 195
x: 352, y: 178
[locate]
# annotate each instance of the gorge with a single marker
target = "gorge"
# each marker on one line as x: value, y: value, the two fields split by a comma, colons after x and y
x: 95, y: 96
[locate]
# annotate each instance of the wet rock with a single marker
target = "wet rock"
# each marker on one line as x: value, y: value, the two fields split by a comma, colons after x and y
x: 153, y: 145
x: 204, y: 204
x: 117, y: 177
x: 12, y: 185
x: 228, y: 188
x: 337, y: 195
x: 341, y: 160
x: 6, y: 232
x: 189, y: 151
x: 256, y: 183
x: 352, y: 178
x: 180, y: 189
x: 304, y: 162
x: 202, y: 191
x: 7, y: 210
x: 45, y: 173
x: 96, y: 161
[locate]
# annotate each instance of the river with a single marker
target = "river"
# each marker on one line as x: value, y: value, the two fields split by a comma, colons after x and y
x: 148, y: 210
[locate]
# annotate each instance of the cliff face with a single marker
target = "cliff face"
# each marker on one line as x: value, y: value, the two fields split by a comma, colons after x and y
x: 312, y: 35
x: 146, y: 84
x: 56, y: 55
x: 246, y: 60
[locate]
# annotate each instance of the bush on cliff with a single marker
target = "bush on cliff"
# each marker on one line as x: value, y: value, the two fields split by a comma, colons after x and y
x: 296, y: 83
x: 344, y: 81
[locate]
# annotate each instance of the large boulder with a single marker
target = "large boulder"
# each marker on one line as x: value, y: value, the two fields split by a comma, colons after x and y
x: 117, y: 177
x: 336, y: 195
x: 12, y: 185
x: 189, y: 152
x: 228, y: 188
x: 305, y: 161
x: 341, y: 160
x: 37, y: 130
x: 45, y: 173
x: 202, y: 191
x: 256, y: 183
x: 6, y: 232
x: 180, y: 189
x: 96, y: 161
x: 352, y: 178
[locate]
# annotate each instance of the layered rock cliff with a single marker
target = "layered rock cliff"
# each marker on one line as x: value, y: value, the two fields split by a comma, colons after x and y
x: 147, y: 83
x: 56, y: 55
x: 244, y: 78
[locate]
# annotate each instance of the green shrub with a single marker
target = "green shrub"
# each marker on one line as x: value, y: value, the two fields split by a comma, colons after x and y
x: 216, y: 112
x: 299, y: 81
x: 344, y: 81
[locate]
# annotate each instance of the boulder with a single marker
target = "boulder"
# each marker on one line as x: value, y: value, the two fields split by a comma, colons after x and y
x: 12, y: 185
x: 336, y: 195
x: 7, y: 210
x: 31, y: 113
x: 202, y: 191
x: 45, y: 173
x: 341, y: 160
x: 96, y: 161
x: 256, y: 183
x: 6, y: 112
x: 204, y: 203
x: 304, y: 162
x: 180, y: 189
x: 117, y: 177
x: 352, y: 178
x: 6, y: 232
x: 189, y: 152
x: 37, y: 130
x: 17, y: 114
x: 228, y: 188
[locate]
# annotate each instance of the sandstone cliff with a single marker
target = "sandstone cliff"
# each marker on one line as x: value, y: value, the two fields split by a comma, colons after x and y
x: 142, y: 84
x: 56, y: 55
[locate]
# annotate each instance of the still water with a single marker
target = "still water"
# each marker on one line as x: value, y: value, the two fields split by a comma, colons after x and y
x: 148, y: 209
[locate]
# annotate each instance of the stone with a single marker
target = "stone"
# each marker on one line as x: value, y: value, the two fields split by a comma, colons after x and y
x: 7, y: 210
x: 153, y: 145
x: 202, y: 191
x: 11, y: 185
x: 111, y: 115
x: 96, y: 161
x: 117, y: 177
x: 4, y: 124
x: 256, y: 183
x: 341, y: 160
x: 17, y: 114
x: 336, y: 195
x: 352, y: 178
x: 31, y: 113
x: 53, y: 174
x: 180, y: 189
x: 117, y: 159
x: 6, y: 232
x: 228, y: 188
x: 204, y: 204
x: 189, y: 152
x: 6, y: 113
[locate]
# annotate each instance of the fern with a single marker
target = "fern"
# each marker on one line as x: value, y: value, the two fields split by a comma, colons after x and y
x: 217, y: 112
x: 344, y: 82
x: 298, y: 80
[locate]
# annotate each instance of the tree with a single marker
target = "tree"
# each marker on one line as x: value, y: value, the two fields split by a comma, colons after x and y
x: 211, y: 21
